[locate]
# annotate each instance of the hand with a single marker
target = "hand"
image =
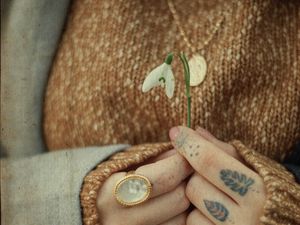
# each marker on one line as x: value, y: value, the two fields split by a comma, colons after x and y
x: 167, y: 204
x: 223, y: 190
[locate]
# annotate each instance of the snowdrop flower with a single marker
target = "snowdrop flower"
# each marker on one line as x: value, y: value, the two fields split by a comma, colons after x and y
x: 161, y: 76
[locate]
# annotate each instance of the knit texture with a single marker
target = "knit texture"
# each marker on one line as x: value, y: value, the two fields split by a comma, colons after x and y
x: 283, y: 193
x: 251, y: 91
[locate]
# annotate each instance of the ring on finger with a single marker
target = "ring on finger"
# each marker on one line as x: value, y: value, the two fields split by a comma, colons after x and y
x: 133, y: 189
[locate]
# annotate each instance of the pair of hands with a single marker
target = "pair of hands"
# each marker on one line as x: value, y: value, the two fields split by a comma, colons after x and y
x: 201, y: 171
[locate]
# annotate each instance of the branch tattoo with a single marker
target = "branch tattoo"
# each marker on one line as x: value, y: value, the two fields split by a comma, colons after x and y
x: 217, y: 210
x: 237, y: 182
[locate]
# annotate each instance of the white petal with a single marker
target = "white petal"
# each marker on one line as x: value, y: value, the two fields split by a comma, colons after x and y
x: 170, y: 83
x: 152, y: 80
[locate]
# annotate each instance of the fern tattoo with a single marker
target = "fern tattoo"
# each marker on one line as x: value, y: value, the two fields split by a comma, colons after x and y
x: 238, y: 182
x: 217, y: 210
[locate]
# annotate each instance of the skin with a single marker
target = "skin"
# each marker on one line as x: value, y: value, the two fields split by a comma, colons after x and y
x: 202, y: 172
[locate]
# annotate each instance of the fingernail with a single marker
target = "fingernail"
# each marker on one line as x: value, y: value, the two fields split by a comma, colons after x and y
x: 174, y: 133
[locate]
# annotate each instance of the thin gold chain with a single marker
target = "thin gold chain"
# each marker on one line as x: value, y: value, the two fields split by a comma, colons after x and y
x: 182, y: 32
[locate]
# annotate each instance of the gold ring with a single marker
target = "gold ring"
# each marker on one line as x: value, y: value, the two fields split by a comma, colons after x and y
x: 133, y: 189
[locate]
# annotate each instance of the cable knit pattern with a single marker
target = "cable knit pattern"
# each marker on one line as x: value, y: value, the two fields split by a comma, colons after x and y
x: 251, y: 91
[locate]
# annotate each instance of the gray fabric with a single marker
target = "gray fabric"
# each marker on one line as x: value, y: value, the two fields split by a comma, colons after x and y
x: 30, y: 31
x: 44, y: 189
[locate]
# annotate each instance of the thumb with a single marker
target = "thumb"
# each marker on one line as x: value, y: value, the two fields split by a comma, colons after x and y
x: 182, y: 137
x: 193, y: 147
x: 197, y: 150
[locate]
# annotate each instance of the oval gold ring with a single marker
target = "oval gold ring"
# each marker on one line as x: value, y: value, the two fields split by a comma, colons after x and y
x: 133, y: 189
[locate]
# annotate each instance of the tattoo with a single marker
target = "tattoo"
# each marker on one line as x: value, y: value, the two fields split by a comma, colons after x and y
x: 186, y: 144
x: 181, y: 141
x: 217, y: 210
x: 238, y: 182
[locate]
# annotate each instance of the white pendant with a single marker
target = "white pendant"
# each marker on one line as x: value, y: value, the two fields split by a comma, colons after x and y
x: 132, y: 190
x: 198, y: 69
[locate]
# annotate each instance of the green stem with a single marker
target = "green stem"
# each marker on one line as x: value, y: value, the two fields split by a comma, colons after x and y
x: 189, y: 112
x: 187, y: 86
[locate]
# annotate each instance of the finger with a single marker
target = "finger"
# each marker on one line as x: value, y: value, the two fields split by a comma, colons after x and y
x: 165, y: 174
x: 161, y: 208
x: 213, y: 203
x: 196, y: 218
x: 106, y: 193
x: 161, y: 156
x: 222, y: 145
x: 153, y: 211
x: 177, y: 220
x: 153, y: 160
x: 219, y: 168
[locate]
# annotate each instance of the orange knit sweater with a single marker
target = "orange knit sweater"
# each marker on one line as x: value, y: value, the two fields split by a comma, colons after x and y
x: 251, y: 93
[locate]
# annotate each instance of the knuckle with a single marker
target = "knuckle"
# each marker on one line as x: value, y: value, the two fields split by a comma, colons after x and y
x: 161, y: 179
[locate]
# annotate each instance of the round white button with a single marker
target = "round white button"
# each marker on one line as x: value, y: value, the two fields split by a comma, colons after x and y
x: 198, y: 69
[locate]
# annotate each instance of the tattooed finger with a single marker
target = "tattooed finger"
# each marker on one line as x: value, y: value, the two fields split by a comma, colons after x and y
x: 212, y: 202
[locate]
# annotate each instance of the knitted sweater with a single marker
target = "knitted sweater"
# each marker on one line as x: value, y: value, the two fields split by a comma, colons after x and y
x: 250, y: 95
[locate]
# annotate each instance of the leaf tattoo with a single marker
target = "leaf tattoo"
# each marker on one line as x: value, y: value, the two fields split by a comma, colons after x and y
x: 217, y: 210
x: 238, y: 182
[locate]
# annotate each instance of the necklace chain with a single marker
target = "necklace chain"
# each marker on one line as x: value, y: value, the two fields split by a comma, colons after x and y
x: 184, y: 35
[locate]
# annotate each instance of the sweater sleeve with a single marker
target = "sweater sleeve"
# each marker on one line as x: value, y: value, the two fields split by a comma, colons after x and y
x: 283, y: 193
x: 44, y: 189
